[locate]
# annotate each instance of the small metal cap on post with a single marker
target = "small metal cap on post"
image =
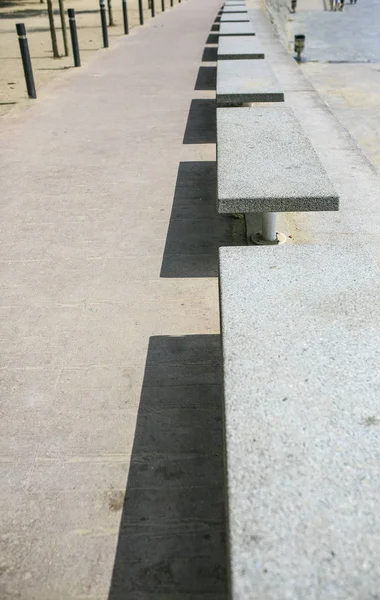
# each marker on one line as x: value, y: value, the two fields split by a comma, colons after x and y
x: 74, y: 36
x: 26, y: 62
x: 103, y: 18
x: 125, y: 17
x: 299, y: 45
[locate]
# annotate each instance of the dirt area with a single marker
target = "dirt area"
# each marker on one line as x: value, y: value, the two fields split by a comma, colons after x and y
x: 13, y: 96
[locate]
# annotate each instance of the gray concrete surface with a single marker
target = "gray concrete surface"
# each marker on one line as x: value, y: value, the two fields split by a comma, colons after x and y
x: 236, y: 29
x: 267, y: 164
x: 239, y: 47
x: 234, y: 18
x: 111, y: 446
x: 234, y: 9
x: 300, y: 348
x: 240, y: 81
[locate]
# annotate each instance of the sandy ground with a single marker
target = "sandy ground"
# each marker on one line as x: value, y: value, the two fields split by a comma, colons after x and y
x: 13, y: 96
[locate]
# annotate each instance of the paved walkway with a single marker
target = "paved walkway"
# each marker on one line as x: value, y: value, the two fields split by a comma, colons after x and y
x: 342, y: 56
x: 110, y: 373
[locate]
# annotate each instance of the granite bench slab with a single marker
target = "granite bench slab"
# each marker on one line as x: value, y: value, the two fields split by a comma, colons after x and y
x: 240, y: 81
x: 234, y: 9
x: 234, y: 18
x: 266, y: 163
x: 236, y: 29
x: 301, y: 402
x: 240, y: 47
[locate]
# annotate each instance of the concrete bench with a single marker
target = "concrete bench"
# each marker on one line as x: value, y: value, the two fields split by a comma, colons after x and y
x: 301, y: 355
x: 240, y: 47
x: 241, y: 81
x: 236, y: 29
x: 266, y: 164
x: 234, y: 18
x: 234, y: 9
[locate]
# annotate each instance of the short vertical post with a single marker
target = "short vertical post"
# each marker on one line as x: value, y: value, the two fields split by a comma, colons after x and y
x: 153, y: 12
x: 125, y: 17
x: 103, y: 17
x: 171, y: 2
x: 74, y: 36
x: 141, y: 13
x: 269, y: 233
x: 163, y: 5
x: 26, y: 62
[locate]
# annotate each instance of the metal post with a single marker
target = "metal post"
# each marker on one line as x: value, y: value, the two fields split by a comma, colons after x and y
x: 26, y: 63
x: 125, y: 17
x: 141, y: 13
x: 269, y: 233
x: 74, y: 36
x: 103, y: 17
x: 152, y: 8
x: 52, y: 29
x: 171, y: 2
x: 63, y: 25
x: 163, y: 5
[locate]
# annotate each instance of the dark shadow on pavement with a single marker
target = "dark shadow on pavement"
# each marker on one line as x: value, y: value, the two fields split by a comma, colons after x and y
x: 201, y: 122
x: 172, y: 531
x: 196, y: 230
x: 206, y: 79
x: 210, y: 54
x: 213, y: 38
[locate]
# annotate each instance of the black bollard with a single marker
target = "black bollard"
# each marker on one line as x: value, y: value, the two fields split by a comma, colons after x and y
x: 103, y: 17
x: 171, y: 2
x: 163, y: 5
x: 74, y: 36
x: 152, y: 7
x: 26, y: 62
x: 141, y: 14
x: 125, y: 17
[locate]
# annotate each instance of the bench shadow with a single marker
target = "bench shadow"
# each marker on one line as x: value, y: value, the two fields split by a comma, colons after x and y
x: 201, y: 122
x: 206, y: 79
x: 171, y: 541
x: 210, y: 54
x: 196, y: 231
x: 213, y: 38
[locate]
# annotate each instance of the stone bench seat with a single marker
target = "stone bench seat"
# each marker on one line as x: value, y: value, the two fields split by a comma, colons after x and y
x: 240, y: 47
x: 234, y: 9
x: 266, y: 164
x: 235, y: 29
x: 241, y: 81
x: 301, y: 406
x: 234, y: 18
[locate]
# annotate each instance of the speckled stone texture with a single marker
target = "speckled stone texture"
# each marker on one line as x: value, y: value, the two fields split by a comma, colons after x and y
x: 234, y: 18
x: 266, y: 163
x: 240, y: 47
x: 234, y: 9
x: 240, y: 81
x: 236, y: 29
x: 301, y: 361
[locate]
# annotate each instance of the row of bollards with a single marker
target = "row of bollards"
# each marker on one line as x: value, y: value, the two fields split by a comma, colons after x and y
x: 23, y: 40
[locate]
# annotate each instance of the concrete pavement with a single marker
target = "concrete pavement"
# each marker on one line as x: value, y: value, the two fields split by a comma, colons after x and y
x: 111, y: 454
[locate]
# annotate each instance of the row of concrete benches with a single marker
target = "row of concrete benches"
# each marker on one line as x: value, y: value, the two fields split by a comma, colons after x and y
x: 293, y: 514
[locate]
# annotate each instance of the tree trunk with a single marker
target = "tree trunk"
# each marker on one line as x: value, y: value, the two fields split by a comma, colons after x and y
x: 52, y: 29
x: 63, y: 24
x: 110, y: 15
